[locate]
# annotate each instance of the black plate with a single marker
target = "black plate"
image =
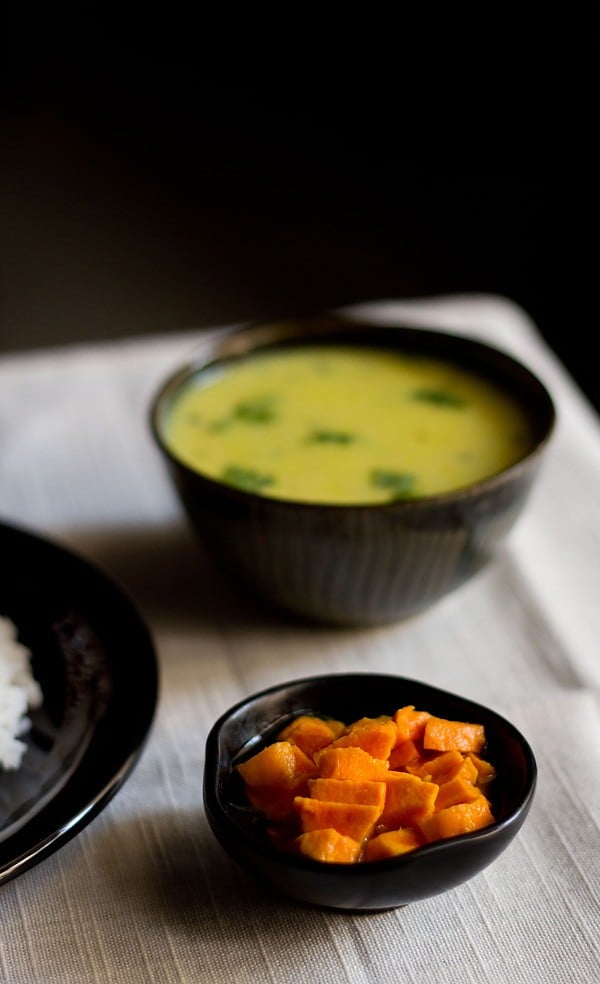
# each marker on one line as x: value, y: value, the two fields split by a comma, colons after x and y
x: 96, y: 664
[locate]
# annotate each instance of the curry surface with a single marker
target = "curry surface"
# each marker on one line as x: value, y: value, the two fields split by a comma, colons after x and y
x: 342, y: 424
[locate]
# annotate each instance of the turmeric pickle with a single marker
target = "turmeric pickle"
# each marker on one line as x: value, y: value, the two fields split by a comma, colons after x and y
x: 376, y: 788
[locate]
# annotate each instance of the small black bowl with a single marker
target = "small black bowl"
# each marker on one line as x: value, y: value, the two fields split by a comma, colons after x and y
x: 375, y: 885
x: 357, y: 564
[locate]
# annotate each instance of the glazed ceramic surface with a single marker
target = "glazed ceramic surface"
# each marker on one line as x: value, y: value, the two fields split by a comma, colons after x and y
x: 95, y: 662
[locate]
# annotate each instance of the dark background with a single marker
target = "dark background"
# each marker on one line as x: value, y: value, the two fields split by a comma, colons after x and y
x: 142, y: 192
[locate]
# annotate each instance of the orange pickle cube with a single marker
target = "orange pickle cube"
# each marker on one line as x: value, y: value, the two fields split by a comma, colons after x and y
x: 438, y: 769
x: 370, y: 792
x: 311, y: 733
x: 467, y: 771
x: 460, y: 819
x: 328, y: 845
x: 408, y: 800
x: 280, y: 764
x: 443, y: 736
x: 457, y: 790
x: 404, y: 754
x: 351, y: 819
x: 392, y: 843
x: 377, y: 736
x: 410, y: 722
x: 351, y: 762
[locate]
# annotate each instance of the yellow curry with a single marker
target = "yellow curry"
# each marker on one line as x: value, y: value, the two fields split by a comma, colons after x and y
x: 344, y: 424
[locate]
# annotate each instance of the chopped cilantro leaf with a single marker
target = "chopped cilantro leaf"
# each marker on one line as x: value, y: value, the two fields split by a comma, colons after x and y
x: 257, y: 411
x: 441, y: 398
x: 399, y: 484
x: 331, y: 437
x: 246, y: 478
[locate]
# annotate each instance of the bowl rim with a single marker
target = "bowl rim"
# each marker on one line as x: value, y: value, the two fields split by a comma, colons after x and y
x: 269, y: 853
x: 213, y: 352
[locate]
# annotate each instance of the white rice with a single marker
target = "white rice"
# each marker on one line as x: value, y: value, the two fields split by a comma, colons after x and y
x: 19, y: 692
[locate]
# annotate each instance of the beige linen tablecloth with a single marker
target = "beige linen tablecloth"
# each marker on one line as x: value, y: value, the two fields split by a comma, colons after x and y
x: 145, y: 893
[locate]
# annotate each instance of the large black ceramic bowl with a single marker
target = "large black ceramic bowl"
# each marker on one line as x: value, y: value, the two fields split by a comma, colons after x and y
x: 374, y: 885
x: 358, y: 564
